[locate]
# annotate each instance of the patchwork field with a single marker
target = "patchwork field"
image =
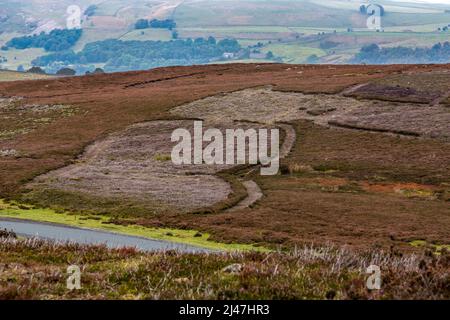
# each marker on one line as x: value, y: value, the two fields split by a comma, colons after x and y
x: 20, y: 57
x: 291, y: 30
x: 291, y: 53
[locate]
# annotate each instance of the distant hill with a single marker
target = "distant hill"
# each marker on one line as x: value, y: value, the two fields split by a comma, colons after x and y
x: 291, y: 31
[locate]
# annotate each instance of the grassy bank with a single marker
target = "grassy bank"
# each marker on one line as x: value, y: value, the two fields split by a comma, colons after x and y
x: 100, y: 222
x: 38, y: 270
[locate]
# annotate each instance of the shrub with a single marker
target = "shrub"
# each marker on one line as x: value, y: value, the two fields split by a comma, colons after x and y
x: 66, y: 72
x: 56, y: 40
x: 36, y: 70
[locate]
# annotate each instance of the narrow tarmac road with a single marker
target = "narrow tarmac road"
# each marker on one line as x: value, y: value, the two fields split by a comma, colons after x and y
x: 61, y: 233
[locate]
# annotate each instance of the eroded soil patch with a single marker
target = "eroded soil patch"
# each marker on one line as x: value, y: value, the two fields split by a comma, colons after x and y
x: 135, y: 166
x: 423, y: 87
x: 264, y: 105
x: 347, y: 187
x: 289, y: 214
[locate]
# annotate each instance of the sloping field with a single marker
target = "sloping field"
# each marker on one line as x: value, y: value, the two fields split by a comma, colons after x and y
x: 134, y: 166
x: 135, y: 163
x: 423, y: 87
x: 111, y: 102
x: 339, y: 184
x: 268, y: 106
x: 382, y: 187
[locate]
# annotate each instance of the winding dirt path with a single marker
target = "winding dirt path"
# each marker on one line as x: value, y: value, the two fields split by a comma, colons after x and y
x: 289, y: 140
x: 352, y: 89
x: 254, y: 192
x: 440, y: 99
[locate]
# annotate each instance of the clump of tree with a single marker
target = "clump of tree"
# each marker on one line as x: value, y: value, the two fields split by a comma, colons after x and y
x: 374, y: 54
x: 155, y: 23
x: 141, y: 24
x: 90, y: 11
x: 36, y: 70
x: 363, y: 9
x: 66, y: 72
x: 162, y: 24
x: 120, y: 55
x: 96, y: 71
x: 56, y: 40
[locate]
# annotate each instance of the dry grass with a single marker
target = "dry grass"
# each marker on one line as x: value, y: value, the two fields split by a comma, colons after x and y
x: 20, y: 76
x: 132, y: 167
x: 34, y: 269
x: 267, y: 106
x: 18, y: 119
x: 411, y: 86
x: 333, y: 194
x: 111, y: 102
x: 291, y: 212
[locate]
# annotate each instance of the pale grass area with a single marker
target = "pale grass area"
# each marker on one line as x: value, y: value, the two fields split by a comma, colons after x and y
x: 269, y: 106
x: 307, y: 272
x: 293, y: 53
x: 134, y: 164
x: 18, y: 76
x: 21, y: 57
x: 266, y: 106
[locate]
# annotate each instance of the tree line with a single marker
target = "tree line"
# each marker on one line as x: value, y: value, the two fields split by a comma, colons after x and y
x: 374, y: 54
x: 56, y: 40
x: 121, y: 55
x: 155, y: 23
